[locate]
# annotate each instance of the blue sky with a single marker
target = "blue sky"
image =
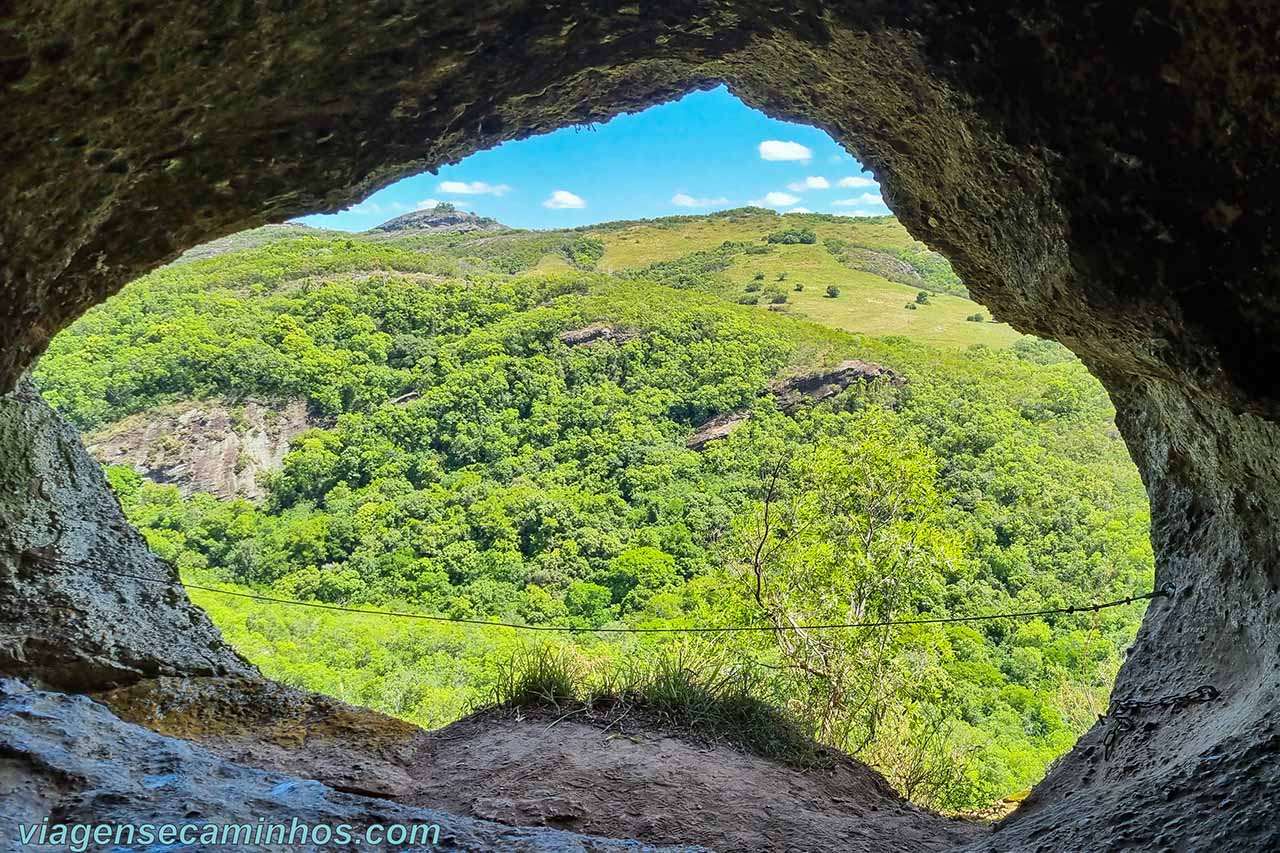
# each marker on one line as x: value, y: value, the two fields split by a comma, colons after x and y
x: 708, y: 151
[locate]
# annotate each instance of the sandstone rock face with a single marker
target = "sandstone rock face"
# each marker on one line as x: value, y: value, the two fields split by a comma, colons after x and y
x: 1098, y: 173
x: 217, y: 447
x: 69, y: 759
x: 70, y: 619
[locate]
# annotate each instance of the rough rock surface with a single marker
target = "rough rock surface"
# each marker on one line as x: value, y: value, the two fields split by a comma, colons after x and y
x: 792, y: 392
x: 1099, y: 173
x: 594, y: 333
x: 615, y: 774
x: 67, y: 618
x: 68, y: 759
x: 214, y: 446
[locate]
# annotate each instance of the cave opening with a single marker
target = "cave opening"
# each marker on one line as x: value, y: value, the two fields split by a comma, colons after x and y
x: 1099, y: 178
x: 414, y: 405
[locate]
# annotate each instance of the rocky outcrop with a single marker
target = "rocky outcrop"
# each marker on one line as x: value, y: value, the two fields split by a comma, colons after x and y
x: 1035, y: 144
x: 440, y: 221
x: 68, y: 759
x: 596, y: 332
x: 215, y: 446
x: 792, y: 392
x: 74, y: 614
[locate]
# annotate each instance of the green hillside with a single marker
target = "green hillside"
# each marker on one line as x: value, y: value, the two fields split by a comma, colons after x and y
x: 492, y: 457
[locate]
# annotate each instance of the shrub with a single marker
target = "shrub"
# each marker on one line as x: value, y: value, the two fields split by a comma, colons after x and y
x: 910, y: 306
x: 799, y: 287
x: 749, y: 299
x: 782, y: 276
x: 976, y: 318
x: 922, y: 297
x: 759, y: 276
x: 832, y: 291
x: 778, y: 298
x: 792, y: 236
x: 752, y: 286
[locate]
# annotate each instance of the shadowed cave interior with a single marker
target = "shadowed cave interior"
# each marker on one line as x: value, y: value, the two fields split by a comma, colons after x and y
x: 1097, y: 174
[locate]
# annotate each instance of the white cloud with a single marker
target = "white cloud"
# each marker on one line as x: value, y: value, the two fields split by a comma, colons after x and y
x: 775, y: 199
x: 798, y: 210
x: 813, y: 182
x: 865, y: 198
x: 774, y: 149
x: 856, y: 183
x: 428, y: 204
x: 686, y: 200
x: 473, y: 188
x: 564, y: 200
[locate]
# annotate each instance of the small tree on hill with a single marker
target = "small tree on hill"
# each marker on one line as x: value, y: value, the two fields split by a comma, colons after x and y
x: 922, y: 297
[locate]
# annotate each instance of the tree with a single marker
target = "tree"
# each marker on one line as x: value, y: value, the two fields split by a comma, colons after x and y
x: 832, y: 291
x: 792, y: 236
x: 922, y: 298
x: 850, y: 532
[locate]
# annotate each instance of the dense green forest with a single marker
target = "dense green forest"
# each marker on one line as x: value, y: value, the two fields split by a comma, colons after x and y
x: 477, y: 464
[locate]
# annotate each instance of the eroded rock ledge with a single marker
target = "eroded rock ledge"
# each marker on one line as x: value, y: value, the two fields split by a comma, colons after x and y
x: 69, y: 759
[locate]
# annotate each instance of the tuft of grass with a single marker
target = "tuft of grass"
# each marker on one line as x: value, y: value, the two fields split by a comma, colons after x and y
x: 538, y: 677
x: 675, y: 689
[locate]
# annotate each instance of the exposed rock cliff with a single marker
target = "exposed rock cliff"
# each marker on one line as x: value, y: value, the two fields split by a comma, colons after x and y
x: 216, y: 447
x: 791, y: 392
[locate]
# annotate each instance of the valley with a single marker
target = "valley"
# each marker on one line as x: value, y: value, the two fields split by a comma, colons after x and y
x: 460, y: 448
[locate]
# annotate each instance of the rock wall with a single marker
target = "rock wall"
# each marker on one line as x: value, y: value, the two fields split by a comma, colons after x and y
x: 69, y: 616
x: 213, y: 446
x: 1099, y: 173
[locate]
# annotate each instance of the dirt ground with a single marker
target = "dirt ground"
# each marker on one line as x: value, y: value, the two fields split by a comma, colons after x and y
x: 589, y: 773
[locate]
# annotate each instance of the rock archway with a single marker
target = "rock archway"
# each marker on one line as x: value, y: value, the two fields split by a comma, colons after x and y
x: 1099, y: 173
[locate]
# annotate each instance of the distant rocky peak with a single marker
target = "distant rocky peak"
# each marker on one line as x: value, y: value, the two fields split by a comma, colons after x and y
x: 441, y: 218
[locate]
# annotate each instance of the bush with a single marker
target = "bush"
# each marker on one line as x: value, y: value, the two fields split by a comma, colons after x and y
x: 922, y: 297
x: 749, y: 299
x: 782, y: 276
x: 910, y: 306
x: 976, y: 318
x: 759, y: 276
x: 752, y: 286
x: 798, y: 288
x: 778, y: 298
x: 832, y: 291
x: 793, y: 236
